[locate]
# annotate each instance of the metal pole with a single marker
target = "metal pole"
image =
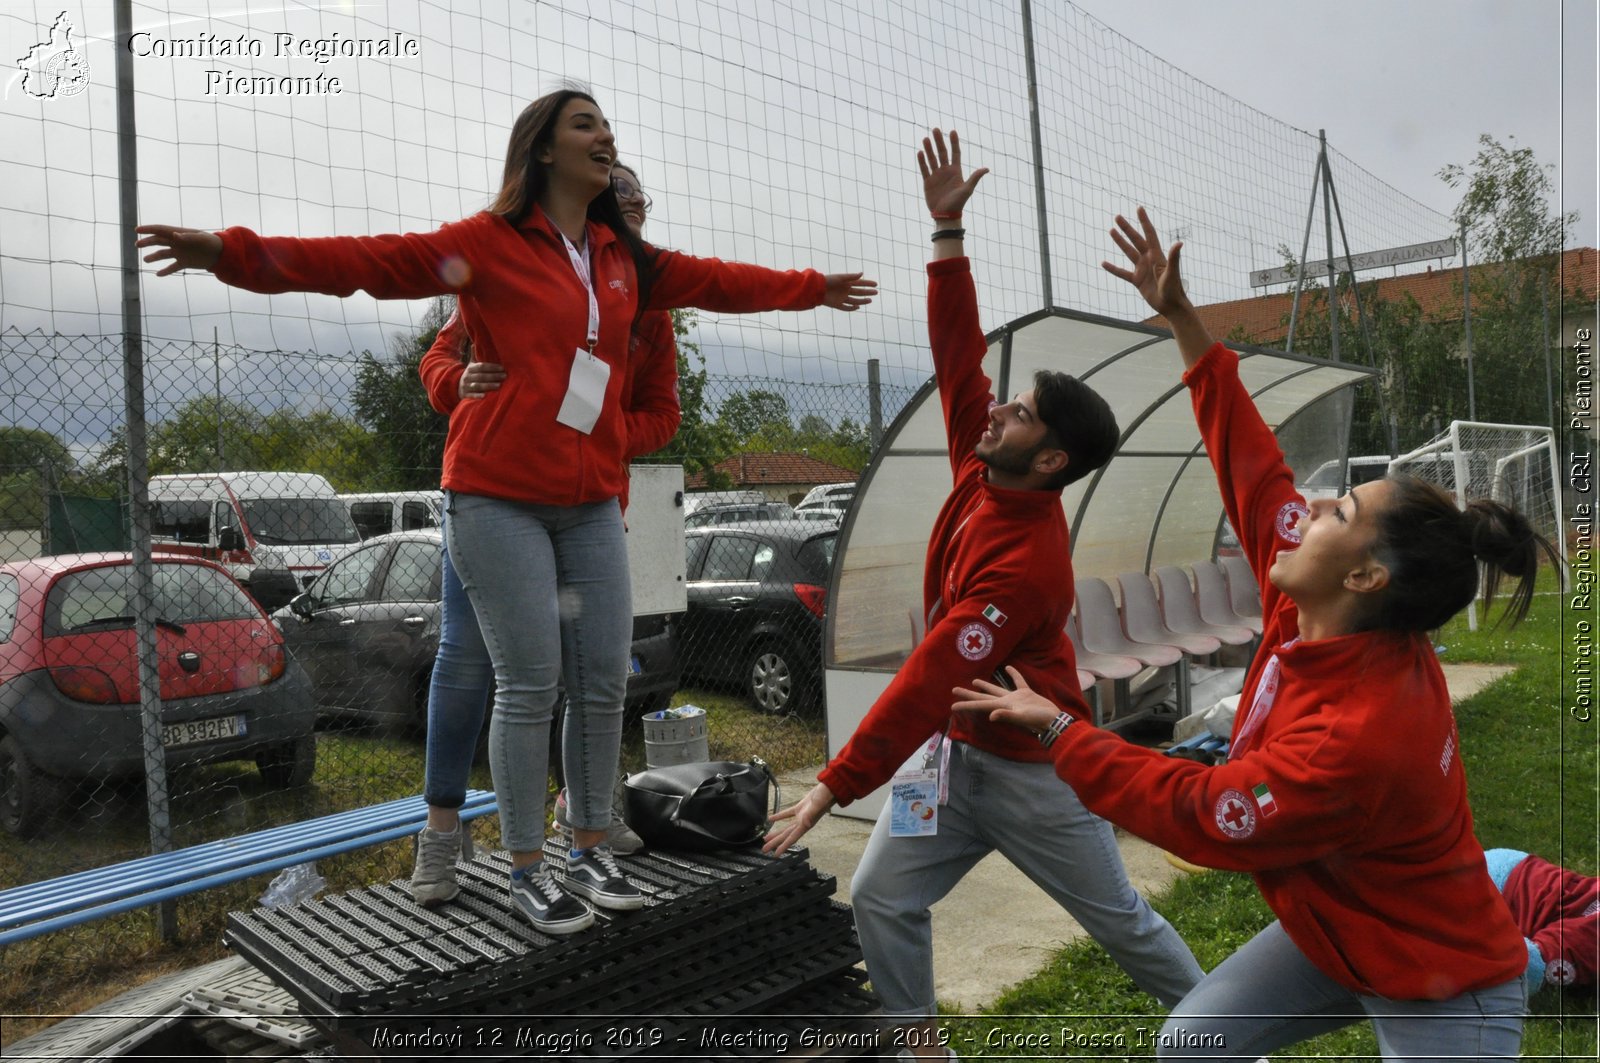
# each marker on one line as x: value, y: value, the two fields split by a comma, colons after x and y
x: 874, y: 403
x: 1305, y: 248
x: 1038, y: 151
x: 216, y: 369
x: 143, y: 603
x: 1327, y: 225
x: 1549, y: 386
x: 1466, y: 320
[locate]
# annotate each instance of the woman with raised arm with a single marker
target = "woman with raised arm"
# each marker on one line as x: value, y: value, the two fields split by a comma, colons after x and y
x: 550, y: 281
x: 1344, y: 794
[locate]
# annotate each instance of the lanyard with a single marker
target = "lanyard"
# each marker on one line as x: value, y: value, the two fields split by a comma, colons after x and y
x: 1266, y: 694
x: 584, y: 268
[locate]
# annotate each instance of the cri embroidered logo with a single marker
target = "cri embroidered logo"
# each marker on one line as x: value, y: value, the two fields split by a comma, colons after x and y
x: 974, y: 642
x: 1235, y: 816
x: 1289, y: 520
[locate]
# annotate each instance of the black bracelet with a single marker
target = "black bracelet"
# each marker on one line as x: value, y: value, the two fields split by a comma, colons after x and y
x: 948, y: 234
x: 1048, y: 736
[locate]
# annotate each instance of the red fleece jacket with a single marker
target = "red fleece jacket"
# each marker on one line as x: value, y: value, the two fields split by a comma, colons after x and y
x: 1559, y: 911
x: 1348, y: 803
x: 997, y: 586
x: 524, y: 307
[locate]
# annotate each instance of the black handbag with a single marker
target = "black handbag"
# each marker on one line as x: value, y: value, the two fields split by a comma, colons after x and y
x: 707, y: 805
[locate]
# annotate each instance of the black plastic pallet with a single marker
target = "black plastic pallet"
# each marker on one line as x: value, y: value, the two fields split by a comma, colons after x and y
x: 374, y: 949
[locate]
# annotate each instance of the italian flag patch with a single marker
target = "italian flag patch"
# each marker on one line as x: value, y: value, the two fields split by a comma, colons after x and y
x: 1265, y: 801
x: 994, y: 616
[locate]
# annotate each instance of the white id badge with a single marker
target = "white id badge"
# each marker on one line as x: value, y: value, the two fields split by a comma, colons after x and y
x: 914, y: 804
x: 586, y: 392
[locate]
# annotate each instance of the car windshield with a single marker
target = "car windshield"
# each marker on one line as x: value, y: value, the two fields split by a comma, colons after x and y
x: 102, y: 598
x: 299, y: 521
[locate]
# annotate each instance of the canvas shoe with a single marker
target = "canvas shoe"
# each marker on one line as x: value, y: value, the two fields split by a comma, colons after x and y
x: 593, y: 873
x: 550, y: 909
x: 620, y: 836
x: 433, y: 878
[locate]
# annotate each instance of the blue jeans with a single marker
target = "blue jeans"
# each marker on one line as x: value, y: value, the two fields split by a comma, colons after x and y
x: 1036, y: 822
x: 550, y: 588
x: 1268, y: 995
x: 458, y: 693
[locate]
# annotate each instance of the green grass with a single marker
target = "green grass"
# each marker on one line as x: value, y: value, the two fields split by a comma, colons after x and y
x: 1531, y: 773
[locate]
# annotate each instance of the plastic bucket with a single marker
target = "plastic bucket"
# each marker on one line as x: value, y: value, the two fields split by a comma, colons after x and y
x: 676, y: 736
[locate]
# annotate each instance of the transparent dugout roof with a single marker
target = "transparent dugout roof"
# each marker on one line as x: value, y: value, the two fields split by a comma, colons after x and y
x: 1155, y: 504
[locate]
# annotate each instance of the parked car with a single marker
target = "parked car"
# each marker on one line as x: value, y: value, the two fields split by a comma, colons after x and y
x: 273, y: 531
x: 835, y: 496
x: 757, y: 596
x: 367, y: 632
x: 69, y: 680
x: 737, y: 513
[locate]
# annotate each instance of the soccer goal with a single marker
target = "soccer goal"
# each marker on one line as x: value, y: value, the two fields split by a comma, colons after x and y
x: 1515, y: 464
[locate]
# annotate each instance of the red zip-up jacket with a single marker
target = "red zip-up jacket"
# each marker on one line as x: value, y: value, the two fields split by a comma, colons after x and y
x: 650, y: 392
x: 1348, y: 803
x: 1559, y: 911
x: 997, y: 586
x: 526, y: 308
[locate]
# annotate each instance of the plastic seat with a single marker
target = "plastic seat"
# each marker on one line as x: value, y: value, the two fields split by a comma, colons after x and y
x: 1216, y: 607
x: 1243, y: 591
x: 1097, y: 666
x: 1100, y: 628
x: 1141, y: 619
x: 1180, y: 608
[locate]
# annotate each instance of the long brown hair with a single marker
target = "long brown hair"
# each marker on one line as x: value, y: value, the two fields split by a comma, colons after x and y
x: 526, y: 180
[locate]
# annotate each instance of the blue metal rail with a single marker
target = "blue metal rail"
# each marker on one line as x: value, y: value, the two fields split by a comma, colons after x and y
x: 41, y: 907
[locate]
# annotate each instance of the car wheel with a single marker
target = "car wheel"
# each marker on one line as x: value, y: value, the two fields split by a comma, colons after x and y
x: 774, y: 679
x: 291, y: 764
x: 28, y: 797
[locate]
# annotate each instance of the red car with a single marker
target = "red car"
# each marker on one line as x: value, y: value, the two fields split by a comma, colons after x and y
x: 69, y: 681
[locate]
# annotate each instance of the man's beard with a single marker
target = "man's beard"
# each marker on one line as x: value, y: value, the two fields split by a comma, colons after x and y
x: 1009, y: 460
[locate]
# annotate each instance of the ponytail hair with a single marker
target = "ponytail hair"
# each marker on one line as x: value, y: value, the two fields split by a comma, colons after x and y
x: 1432, y: 551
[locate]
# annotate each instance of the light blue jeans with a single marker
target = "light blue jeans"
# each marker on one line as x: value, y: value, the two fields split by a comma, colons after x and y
x: 1268, y: 995
x: 1035, y: 821
x: 549, y: 586
x: 458, y: 693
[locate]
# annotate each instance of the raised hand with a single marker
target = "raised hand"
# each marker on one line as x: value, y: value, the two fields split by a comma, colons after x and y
x: 848, y: 291
x: 1153, y: 273
x: 1022, y: 707
x: 187, y: 248
x: 943, y: 186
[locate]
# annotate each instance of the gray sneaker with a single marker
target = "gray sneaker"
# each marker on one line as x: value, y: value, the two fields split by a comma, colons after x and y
x: 620, y: 836
x: 548, y: 907
x: 433, y: 879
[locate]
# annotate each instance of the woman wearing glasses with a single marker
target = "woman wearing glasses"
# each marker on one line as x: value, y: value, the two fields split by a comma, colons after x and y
x: 550, y: 281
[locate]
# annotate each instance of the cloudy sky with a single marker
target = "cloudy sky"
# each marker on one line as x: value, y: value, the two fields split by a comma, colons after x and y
x: 772, y: 131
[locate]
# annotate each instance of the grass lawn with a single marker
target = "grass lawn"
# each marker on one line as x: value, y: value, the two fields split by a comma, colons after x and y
x: 1531, y: 771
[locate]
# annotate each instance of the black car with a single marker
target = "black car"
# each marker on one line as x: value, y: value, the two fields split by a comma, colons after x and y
x: 367, y: 632
x: 757, y: 596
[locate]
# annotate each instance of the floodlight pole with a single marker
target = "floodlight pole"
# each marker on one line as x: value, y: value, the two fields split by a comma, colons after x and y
x: 143, y: 603
x: 1327, y: 226
x: 1038, y: 152
x: 1305, y: 248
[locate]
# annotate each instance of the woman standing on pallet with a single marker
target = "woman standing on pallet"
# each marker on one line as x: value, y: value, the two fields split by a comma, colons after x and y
x: 1344, y: 793
x: 462, y: 680
x: 550, y: 282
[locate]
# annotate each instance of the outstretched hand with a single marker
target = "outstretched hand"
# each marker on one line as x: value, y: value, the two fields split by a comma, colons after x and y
x: 802, y: 816
x: 1023, y: 707
x: 943, y: 186
x: 186, y: 248
x: 848, y: 291
x: 1153, y: 273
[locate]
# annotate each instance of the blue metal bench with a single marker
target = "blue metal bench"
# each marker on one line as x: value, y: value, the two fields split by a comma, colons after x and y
x: 40, y: 907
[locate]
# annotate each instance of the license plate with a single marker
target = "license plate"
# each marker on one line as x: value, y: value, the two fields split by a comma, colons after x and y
x: 634, y: 667
x: 190, y: 732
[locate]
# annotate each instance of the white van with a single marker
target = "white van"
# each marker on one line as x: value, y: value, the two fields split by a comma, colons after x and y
x: 382, y: 512
x: 274, y: 531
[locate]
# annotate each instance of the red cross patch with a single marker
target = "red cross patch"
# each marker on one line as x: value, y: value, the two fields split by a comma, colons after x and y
x: 1288, y: 521
x: 1236, y: 814
x: 975, y: 642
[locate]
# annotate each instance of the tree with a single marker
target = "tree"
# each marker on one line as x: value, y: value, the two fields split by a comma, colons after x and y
x: 746, y: 414
x: 389, y: 400
x: 32, y: 462
x: 700, y: 442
